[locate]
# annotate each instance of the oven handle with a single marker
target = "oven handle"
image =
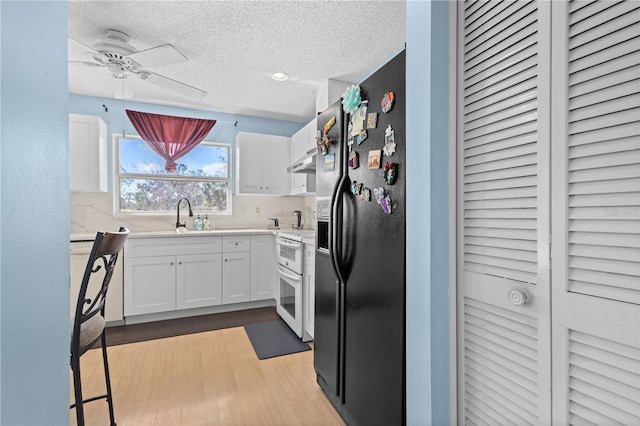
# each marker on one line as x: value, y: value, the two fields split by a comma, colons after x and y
x: 288, y: 244
x: 291, y: 277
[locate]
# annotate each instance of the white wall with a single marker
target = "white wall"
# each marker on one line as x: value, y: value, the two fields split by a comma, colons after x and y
x: 34, y: 217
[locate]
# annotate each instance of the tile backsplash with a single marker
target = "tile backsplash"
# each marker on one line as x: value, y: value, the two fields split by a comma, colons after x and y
x: 93, y: 211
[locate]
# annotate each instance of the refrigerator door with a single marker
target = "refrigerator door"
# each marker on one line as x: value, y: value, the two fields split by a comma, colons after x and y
x: 374, y: 366
x: 328, y: 288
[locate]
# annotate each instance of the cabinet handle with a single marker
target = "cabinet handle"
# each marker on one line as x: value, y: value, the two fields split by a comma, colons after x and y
x: 179, y: 263
x: 171, y: 263
x: 236, y: 244
x: 226, y: 260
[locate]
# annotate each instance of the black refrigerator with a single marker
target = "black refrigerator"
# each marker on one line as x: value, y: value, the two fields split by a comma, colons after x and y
x: 359, y: 338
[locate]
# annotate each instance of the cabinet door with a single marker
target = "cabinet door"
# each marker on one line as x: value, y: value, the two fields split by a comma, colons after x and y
x: 198, y: 281
x: 236, y: 277
x: 310, y: 142
x: 263, y: 260
x: 250, y: 153
x: 309, y: 295
x: 87, y: 153
x: 150, y: 285
x: 299, y: 143
x: 276, y: 178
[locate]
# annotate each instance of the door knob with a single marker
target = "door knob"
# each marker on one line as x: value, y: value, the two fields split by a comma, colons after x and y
x: 518, y: 297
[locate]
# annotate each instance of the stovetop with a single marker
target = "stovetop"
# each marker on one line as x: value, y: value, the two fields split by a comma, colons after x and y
x: 297, y: 235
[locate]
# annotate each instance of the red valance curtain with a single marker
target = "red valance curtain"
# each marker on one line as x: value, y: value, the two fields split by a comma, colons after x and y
x: 168, y: 136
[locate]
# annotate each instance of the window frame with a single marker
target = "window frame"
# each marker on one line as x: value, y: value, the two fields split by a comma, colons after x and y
x: 117, y: 176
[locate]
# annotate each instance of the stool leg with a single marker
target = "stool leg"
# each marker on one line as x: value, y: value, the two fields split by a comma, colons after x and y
x: 77, y: 389
x: 107, y: 379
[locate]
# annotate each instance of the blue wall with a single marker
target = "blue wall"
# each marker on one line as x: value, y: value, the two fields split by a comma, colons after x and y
x: 34, y: 217
x: 34, y: 225
x: 428, y: 367
x: 224, y: 131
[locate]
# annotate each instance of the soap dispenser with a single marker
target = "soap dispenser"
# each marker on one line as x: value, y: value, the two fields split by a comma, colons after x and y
x: 198, y: 223
x: 205, y: 222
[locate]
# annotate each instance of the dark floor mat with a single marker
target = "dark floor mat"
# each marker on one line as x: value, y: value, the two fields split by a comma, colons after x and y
x: 124, y: 334
x: 274, y: 338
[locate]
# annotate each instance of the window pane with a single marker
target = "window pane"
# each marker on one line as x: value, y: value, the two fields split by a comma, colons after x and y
x: 135, y: 156
x: 155, y: 195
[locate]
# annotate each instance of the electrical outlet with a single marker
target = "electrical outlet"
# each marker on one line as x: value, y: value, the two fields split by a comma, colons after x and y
x: 257, y: 210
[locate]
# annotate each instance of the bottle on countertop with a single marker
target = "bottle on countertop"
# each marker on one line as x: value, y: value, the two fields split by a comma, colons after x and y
x: 198, y: 223
x: 205, y: 222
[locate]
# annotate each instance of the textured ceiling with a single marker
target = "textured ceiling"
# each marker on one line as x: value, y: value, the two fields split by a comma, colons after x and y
x: 233, y: 47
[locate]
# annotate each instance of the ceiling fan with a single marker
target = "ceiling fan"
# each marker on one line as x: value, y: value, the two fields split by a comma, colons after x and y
x: 123, y: 60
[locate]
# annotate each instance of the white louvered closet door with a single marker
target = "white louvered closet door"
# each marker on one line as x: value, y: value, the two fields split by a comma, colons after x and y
x: 504, y: 352
x: 596, y: 212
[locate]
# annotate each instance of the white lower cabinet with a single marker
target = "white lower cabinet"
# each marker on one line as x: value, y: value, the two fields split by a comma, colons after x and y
x: 198, y: 280
x: 150, y: 285
x: 309, y: 292
x: 236, y: 277
x: 179, y: 273
x: 263, y: 267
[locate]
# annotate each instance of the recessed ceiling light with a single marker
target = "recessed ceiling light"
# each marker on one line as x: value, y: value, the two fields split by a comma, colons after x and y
x: 279, y: 76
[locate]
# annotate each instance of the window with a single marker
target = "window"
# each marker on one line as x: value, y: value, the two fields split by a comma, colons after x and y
x: 142, y: 185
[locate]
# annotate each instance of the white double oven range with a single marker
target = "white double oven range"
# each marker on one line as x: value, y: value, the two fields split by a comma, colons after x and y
x: 289, y: 269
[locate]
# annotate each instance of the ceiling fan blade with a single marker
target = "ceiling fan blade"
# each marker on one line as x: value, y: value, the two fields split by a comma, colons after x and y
x: 122, y: 88
x: 86, y: 63
x: 158, y: 56
x: 173, y: 85
x: 75, y: 45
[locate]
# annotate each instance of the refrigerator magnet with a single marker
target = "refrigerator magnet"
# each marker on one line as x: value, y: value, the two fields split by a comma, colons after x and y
x: 354, y: 160
x: 356, y: 188
x: 387, y: 102
x: 372, y: 120
x: 383, y: 200
x: 390, y: 173
x: 329, y: 124
x: 389, y: 141
x: 365, y: 194
x: 373, y: 161
x: 329, y: 162
x: 351, y: 99
x: 320, y: 143
x: 361, y: 136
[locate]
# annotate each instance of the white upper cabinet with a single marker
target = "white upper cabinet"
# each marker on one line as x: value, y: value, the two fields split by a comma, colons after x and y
x: 262, y: 162
x: 88, y: 154
x: 303, y: 141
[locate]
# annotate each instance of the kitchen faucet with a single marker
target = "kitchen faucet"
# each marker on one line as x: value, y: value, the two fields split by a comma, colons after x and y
x: 178, y: 224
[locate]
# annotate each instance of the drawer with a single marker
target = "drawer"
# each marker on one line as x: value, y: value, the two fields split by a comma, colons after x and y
x: 309, y: 255
x: 235, y: 243
x: 171, y: 246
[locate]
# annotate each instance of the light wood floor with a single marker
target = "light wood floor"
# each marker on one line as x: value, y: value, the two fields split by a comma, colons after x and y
x: 209, y: 378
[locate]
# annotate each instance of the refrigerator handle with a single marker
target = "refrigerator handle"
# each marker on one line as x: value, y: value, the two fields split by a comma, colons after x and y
x: 336, y: 226
x: 333, y: 228
x: 337, y: 221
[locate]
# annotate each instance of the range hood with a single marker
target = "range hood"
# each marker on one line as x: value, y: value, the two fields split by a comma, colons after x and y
x: 305, y: 164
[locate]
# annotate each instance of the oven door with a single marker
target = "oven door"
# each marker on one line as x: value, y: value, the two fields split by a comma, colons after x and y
x: 289, y: 254
x: 289, y: 298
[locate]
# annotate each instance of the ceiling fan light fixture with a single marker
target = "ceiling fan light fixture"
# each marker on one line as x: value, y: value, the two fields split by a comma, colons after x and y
x: 279, y: 76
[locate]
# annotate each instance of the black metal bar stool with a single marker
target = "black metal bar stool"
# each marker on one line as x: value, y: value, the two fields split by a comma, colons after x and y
x: 89, y: 323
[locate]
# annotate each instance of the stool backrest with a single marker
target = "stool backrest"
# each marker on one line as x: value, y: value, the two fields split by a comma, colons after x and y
x: 102, y: 259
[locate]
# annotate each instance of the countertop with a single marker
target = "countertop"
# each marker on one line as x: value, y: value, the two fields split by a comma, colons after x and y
x: 192, y: 233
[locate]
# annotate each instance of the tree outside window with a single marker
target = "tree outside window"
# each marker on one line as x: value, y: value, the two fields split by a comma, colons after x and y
x: 144, y: 186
